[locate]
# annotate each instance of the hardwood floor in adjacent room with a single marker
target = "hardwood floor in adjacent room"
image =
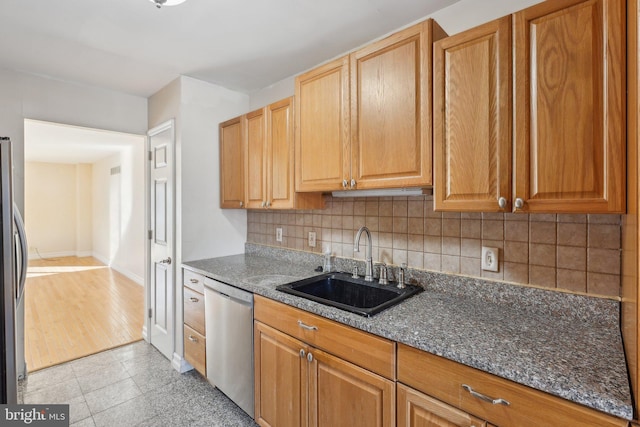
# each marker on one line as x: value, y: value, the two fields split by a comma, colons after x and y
x: 75, y: 307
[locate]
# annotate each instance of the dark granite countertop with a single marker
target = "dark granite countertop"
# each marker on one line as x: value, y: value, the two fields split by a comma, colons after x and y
x: 567, y: 345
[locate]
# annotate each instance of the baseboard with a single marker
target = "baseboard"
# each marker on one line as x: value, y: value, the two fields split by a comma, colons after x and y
x: 128, y: 274
x: 82, y: 254
x: 145, y: 336
x: 179, y: 364
x: 46, y: 255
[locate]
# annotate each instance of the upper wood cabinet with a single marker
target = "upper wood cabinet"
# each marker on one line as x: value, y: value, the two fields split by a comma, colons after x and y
x: 280, y: 161
x: 364, y: 120
x: 569, y: 110
x: 232, y: 164
x: 256, y: 159
x: 322, y: 127
x: 568, y: 100
x: 472, y: 119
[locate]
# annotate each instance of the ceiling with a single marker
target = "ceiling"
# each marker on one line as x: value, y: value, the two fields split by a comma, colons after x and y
x: 56, y: 143
x: 131, y: 46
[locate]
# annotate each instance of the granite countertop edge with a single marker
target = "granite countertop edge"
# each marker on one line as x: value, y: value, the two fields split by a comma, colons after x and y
x: 460, y: 324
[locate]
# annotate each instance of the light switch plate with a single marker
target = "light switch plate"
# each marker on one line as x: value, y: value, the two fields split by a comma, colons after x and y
x: 279, y: 234
x: 312, y: 239
x: 490, y: 258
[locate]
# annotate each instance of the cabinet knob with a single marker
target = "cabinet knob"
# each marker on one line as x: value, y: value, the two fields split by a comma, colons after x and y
x: 310, y: 357
x: 241, y: 204
x: 353, y: 183
x: 519, y: 203
x: 268, y: 204
x: 263, y: 204
x: 502, y: 202
x: 344, y: 183
x: 302, y: 353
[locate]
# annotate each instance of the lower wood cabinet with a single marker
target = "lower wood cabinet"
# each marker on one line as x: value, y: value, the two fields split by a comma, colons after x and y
x: 416, y: 409
x: 496, y: 400
x: 297, y: 384
x: 194, y: 326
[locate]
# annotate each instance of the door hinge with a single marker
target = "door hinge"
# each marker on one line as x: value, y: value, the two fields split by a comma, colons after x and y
x: 150, y: 155
x: 150, y: 234
x: 150, y: 313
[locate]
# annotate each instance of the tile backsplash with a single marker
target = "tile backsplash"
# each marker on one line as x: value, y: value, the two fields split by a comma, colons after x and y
x: 579, y: 253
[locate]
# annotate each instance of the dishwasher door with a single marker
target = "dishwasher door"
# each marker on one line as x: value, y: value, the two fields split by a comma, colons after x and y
x: 229, y: 330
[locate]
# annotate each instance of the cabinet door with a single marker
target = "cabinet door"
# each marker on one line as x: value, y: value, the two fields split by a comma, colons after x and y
x: 472, y: 119
x: 280, y: 154
x: 570, y: 106
x: 231, y: 164
x: 256, y: 162
x: 344, y: 395
x: 419, y: 410
x: 281, y: 373
x: 391, y: 110
x: 322, y: 127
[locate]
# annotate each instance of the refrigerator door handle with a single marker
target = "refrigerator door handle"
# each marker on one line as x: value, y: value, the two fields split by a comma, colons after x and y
x: 24, y: 258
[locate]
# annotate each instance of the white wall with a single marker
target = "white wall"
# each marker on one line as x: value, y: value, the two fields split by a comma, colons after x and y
x: 84, y: 211
x: 35, y: 97
x: 123, y: 252
x: 51, y: 207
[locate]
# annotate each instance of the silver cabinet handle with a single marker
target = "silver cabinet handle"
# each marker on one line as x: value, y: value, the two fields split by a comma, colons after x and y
x: 353, y: 183
x: 519, y: 203
x: 268, y: 204
x: 263, y: 204
x: 307, y: 327
x: 194, y: 280
x: 166, y: 261
x: 192, y: 338
x: 344, y: 183
x: 310, y: 357
x: 302, y: 353
x: 481, y: 396
x: 502, y: 202
x: 194, y: 299
x: 241, y: 204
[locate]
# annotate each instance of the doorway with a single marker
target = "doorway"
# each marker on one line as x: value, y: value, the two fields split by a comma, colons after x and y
x: 84, y: 217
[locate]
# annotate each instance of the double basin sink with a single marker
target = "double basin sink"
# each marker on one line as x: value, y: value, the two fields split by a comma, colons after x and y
x: 345, y: 292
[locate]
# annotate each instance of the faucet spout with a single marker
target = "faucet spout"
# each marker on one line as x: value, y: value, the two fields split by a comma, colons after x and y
x: 368, y: 273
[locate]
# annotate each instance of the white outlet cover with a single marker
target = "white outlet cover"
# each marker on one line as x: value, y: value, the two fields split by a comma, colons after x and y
x: 279, y: 234
x: 490, y: 258
x: 312, y: 239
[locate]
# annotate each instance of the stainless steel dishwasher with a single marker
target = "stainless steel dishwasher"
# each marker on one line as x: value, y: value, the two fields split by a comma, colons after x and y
x: 229, y: 329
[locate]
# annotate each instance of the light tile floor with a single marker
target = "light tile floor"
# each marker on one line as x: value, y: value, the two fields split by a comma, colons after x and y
x: 132, y: 385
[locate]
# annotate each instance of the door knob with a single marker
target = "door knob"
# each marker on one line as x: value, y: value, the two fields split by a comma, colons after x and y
x: 166, y: 261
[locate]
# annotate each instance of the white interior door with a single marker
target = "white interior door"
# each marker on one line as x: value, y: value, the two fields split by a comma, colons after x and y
x: 161, y: 238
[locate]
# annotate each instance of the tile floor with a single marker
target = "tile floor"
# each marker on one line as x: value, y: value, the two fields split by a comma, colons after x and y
x: 133, y: 385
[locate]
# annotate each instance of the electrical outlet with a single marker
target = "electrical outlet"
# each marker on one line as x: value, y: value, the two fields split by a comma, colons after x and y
x: 279, y: 234
x: 490, y: 258
x: 312, y: 239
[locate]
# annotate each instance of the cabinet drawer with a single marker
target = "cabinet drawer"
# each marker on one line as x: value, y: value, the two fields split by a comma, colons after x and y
x: 443, y: 379
x: 194, y: 310
x: 361, y: 348
x: 195, y: 350
x: 193, y: 280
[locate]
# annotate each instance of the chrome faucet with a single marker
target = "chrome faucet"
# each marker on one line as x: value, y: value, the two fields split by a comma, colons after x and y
x: 368, y: 269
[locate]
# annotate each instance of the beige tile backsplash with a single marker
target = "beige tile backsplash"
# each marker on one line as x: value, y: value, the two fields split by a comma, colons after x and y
x: 579, y: 253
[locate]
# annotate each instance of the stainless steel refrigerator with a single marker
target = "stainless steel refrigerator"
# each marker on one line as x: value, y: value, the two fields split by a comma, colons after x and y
x: 13, y: 268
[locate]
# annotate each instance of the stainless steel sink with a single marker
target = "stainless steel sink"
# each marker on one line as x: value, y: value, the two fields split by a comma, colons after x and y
x: 355, y: 295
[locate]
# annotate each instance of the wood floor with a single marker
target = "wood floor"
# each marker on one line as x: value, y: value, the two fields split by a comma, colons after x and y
x: 75, y: 307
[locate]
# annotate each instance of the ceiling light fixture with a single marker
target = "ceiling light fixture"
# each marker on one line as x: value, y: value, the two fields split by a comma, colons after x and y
x: 160, y: 3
